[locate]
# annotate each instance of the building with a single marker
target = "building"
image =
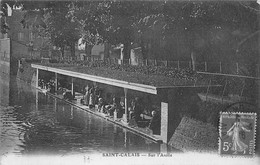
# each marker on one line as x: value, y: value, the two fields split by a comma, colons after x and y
x: 25, y: 43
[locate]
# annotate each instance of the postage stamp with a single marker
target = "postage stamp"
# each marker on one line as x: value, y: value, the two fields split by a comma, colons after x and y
x: 237, y: 131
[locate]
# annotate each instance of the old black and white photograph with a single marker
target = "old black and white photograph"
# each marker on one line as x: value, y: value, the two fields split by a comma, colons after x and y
x: 129, y: 82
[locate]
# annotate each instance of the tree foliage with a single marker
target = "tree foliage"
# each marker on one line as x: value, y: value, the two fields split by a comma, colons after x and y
x: 205, y: 28
x: 60, y: 28
x: 52, y: 20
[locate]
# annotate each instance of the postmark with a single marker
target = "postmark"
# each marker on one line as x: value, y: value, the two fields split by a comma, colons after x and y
x: 237, y: 132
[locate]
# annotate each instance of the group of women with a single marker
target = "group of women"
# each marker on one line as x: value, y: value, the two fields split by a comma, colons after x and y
x: 93, y: 98
x: 92, y: 94
x: 47, y: 85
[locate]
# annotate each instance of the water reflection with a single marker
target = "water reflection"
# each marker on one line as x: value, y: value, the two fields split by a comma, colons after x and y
x: 35, y: 123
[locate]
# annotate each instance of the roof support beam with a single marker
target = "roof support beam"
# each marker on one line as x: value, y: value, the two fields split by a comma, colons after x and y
x: 114, y: 82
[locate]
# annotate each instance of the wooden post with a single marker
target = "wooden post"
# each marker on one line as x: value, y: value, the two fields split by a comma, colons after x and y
x: 166, y: 63
x: 223, y: 91
x: 37, y: 78
x: 242, y: 90
x: 193, y: 59
x: 237, y: 68
x: 163, y: 148
x: 164, y: 122
x: 56, y: 81
x: 115, y: 115
x: 208, y: 90
x: 195, y: 82
x: 178, y: 64
x: 155, y: 62
x: 206, y: 67
x: 126, y: 106
x: 72, y: 86
x: 37, y: 100
x: 19, y: 63
x: 220, y: 67
x: 55, y: 104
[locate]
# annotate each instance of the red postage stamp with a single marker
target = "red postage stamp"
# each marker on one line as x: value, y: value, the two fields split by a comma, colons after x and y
x: 237, y: 133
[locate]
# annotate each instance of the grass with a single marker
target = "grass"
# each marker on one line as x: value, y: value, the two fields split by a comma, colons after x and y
x: 148, y: 75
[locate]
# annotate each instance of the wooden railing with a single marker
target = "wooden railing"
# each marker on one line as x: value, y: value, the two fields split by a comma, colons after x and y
x: 208, y: 67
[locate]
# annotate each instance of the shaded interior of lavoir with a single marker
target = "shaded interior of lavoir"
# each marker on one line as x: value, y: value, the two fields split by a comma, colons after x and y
x: 35, y: 123
x: 143, y: 109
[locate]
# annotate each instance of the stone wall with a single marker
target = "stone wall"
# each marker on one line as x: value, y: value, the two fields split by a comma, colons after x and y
x: 5, y: 55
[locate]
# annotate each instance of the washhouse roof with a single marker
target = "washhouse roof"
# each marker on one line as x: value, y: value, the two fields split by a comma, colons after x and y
x: 130, y: 80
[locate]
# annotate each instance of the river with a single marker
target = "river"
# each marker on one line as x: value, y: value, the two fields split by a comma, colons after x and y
x: 34, y: 123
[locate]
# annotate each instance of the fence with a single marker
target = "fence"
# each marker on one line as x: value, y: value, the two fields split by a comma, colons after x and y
x: 239, y: 69
x: 211, y: 67
x: 229, y: 68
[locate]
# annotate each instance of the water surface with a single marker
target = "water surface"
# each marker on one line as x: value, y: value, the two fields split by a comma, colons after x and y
x: 34, y: 123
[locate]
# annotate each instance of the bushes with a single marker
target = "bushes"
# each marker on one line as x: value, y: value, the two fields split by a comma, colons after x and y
x: 202, y: 111
x: 193, y: 135
x: 209, y: 112
x: 148, y: 75
x: 198, y: 131
x: 186, y: 73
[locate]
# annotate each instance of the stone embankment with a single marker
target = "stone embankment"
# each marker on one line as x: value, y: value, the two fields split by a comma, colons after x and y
x: 194, y: 135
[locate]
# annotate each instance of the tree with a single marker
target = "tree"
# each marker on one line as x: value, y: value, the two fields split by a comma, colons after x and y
x: 52, y: 21
x: 60, y: 28
x: 209, y: 30
x: 123, y: 24
x: 3, y: 14
x: 109, y: 21
x: 86, y: 14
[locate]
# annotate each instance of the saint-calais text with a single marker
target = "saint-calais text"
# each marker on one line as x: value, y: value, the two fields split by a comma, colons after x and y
x: 121, y: 154
x: 136, y: 155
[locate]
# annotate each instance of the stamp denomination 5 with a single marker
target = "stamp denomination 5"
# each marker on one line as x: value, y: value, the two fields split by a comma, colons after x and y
x: 237, y: 133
